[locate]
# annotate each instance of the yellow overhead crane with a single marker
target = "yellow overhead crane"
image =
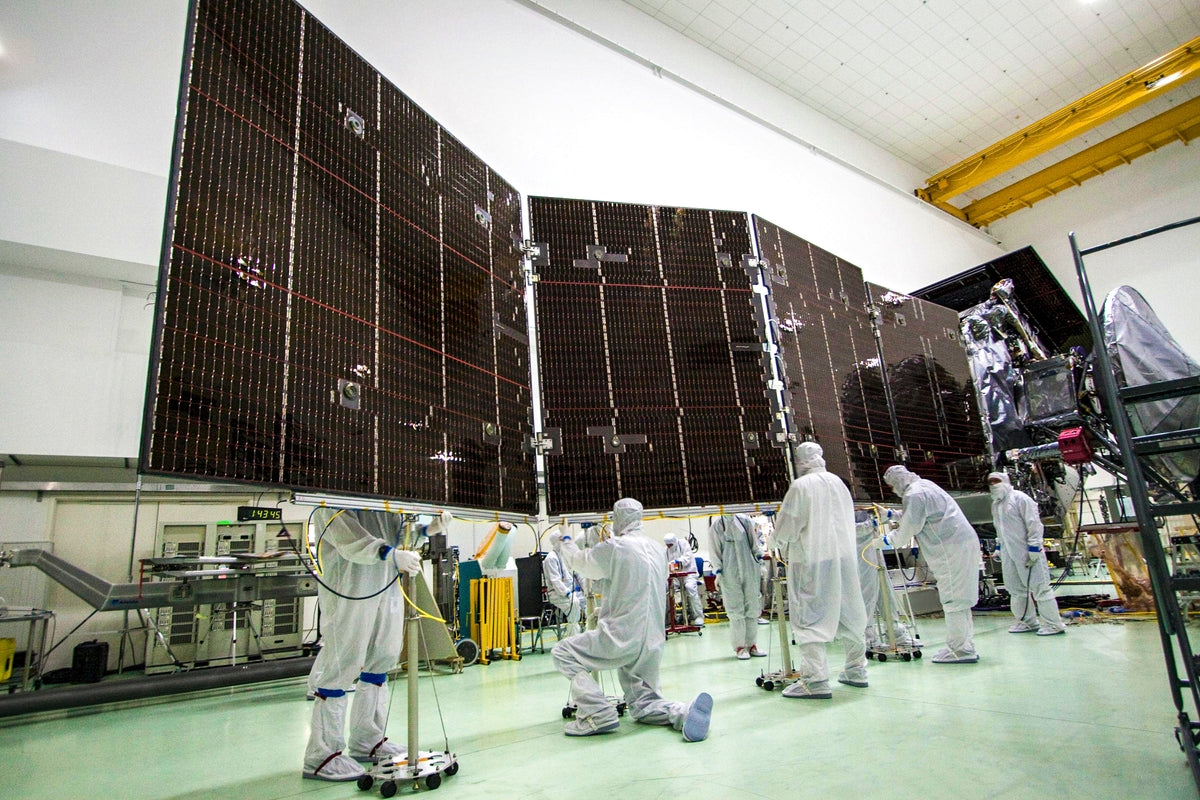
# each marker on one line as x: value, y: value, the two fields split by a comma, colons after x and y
x: 1180, y: 124
x: 1106, y: 103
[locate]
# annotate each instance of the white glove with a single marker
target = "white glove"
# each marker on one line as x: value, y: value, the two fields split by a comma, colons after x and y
x: 558, y: 537
x: 406, y: 561
x: 441, y: 523
x: 717, y: 581
x: 1032, y: 558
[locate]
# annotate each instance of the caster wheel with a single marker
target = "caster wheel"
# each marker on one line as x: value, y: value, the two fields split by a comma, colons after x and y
x: 365, y: 782
x: 452, y: 769
x: 621, y: 709
x: 769, y: 685
x: 700, y: 632
x: 568, y: 712
x: 387, y: 788
x: 870, y: 656
x: 758, y: 681
x: 468, y: 651
x: 882, y: 657
x: 433, y: 781
x: 906, y: 656
x: 916, y: 653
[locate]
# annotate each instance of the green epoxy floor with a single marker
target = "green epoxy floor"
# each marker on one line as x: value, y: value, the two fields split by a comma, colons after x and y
x: 1085, y: 715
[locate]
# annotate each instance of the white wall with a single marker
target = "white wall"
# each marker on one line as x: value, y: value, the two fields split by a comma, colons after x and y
x: 73, y: 354
x: 1154, y: 190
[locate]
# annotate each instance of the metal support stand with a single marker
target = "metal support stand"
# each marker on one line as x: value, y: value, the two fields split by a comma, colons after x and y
x: 786, y: 673
x: 418, y: 768
x: 1177, y: 649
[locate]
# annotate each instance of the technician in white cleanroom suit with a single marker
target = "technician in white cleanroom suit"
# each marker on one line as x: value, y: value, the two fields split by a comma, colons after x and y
x: 1019, y: 545
x: 684, y: 560
x: 629, y: 634
x: 951, y: 549
x: 562, y: 590
x: 736, y: 554
x: 362, y: 638
x: 815, y: 531
x: 870, y: 565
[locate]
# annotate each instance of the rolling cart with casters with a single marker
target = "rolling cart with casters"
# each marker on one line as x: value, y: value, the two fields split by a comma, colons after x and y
x: 568, y: 711
x: 677, y: 604
x: 888, y: 642
x: 785, y: 674
x: 427, y: 768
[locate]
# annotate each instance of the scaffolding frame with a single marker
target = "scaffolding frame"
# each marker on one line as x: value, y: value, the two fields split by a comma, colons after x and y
x: 1183, y: 671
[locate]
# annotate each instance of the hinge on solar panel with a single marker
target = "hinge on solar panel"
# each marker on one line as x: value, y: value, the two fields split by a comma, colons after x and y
x: 537, y: 254
x: 548, y: 442
x: 901, y: 453
x: 752, y: 265
x: 779, y: 433
x: 750, y: 440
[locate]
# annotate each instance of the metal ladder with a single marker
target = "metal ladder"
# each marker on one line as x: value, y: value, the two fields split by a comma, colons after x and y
x: 1182, y: 667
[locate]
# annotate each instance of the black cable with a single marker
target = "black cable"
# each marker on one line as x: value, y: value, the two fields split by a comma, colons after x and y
x: 284, y: 533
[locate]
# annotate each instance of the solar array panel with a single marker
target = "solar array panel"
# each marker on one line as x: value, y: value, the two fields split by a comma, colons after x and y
x: 341, y: 302
x: 341, y: 309
x: 831, y: 364
x: 651, y: 357
x: 1037, y: 294
x: 937, y: 418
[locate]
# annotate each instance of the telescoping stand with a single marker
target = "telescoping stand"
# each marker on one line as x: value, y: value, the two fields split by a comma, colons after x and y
x: 618, y: 703
x: 785, y: 674
x: 419, y: 767
x: 896, y: 634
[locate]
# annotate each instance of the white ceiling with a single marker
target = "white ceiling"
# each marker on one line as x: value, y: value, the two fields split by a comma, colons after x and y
x: 934, y: 81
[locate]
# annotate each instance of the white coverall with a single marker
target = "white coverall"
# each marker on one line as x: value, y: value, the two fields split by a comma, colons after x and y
x: 563, y: 590
x: 815, y: 531
x: 629, y: 634
x: 951, y: 549
x: 684, y: 560
x: 736, y: 554
x: 1022, y: 560
x: 362, y: 639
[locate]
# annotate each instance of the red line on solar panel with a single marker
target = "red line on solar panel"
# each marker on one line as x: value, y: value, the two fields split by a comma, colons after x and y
x: 367, y: 323
x: 229, y: 346
x: 334, y: 175
x: 627, y: 408
x: 286, y: 83
x: 644, y: 286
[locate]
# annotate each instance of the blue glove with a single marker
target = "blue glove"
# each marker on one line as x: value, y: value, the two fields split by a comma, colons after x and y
x: 384, y: 549
x: 914, y: 552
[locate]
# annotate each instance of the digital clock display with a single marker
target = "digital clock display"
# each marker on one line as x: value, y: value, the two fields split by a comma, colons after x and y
x: 257, y: 513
